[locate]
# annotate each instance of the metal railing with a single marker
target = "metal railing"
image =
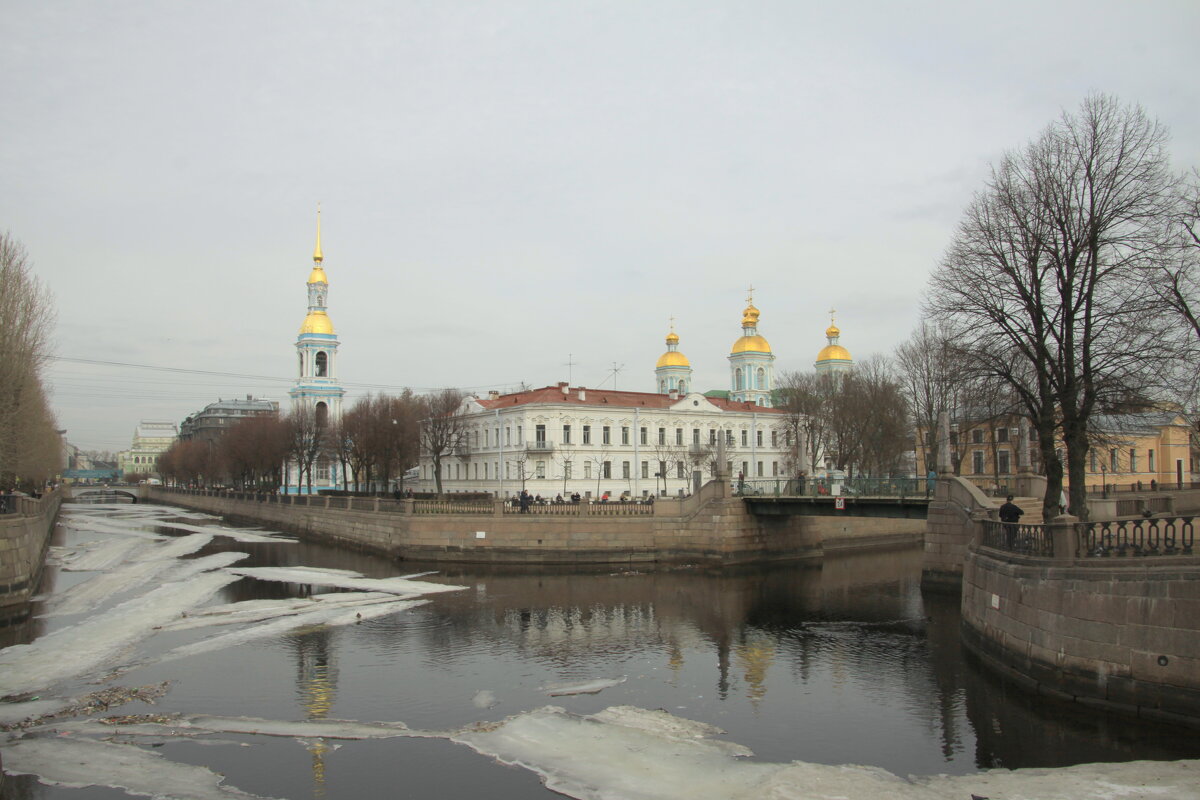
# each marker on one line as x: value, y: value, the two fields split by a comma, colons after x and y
x: 1012, y: 537
x: 1153, y: 536
x: 849, y: 487
x: 616, y: 508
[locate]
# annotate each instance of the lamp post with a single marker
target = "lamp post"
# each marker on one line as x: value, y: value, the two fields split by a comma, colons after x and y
x: 1104, y: 479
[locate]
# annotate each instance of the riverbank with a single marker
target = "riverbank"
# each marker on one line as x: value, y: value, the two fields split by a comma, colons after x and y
x: 24, y: 535
x: 709, y: 527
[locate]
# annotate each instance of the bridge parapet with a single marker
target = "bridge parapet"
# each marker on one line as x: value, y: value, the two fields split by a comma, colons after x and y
x: 955, y: 520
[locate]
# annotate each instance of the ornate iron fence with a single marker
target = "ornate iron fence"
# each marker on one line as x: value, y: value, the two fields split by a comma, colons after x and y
x: 848, y: 487
x: 1152, y: 536
x: 1012, y: 537
x: 476, y: 507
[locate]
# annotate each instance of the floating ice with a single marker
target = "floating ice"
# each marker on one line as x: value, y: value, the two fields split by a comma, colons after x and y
x: 78, y: 763
x: 584, y: 687
x: 102, y: 556
x: 150, y: 563
x: 237, y: 534
x: 258, y: 610
x: 338, y: 615
x: 343, y: 579
x: 484, y: 699
x: 96, y: 641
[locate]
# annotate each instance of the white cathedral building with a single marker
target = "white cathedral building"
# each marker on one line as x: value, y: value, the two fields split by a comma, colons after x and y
x: 565, y: 440
x: 317, y: 391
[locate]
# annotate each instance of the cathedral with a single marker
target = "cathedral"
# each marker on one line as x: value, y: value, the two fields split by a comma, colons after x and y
x: 564, y: 440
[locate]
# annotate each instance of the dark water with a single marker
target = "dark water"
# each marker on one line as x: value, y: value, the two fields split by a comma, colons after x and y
x: 841, y: 662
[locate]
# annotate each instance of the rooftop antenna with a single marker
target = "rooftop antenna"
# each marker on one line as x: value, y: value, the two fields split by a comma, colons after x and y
x: 615, y: 370
x: 570, y: 363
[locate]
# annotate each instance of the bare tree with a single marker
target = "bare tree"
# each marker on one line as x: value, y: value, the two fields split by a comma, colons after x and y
x: 1044, y: 285
x: 804, y: 401
x: 306, y: 440
x: 30, y: 448
x: 926, y: 369
x: 442, y: 430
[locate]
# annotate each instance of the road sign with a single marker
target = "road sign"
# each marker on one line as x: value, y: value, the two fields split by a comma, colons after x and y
x: 839, y: 503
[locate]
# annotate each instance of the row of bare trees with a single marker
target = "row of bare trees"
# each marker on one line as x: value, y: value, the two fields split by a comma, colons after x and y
x: 1071, y: 283
x: 375, y: 441
x: 31, y: 450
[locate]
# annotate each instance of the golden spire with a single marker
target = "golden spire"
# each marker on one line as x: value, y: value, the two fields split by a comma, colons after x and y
x: 317, y: 257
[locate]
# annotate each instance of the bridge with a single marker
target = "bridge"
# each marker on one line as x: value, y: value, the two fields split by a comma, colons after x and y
x: 75, y: 492
x: 895, y: 498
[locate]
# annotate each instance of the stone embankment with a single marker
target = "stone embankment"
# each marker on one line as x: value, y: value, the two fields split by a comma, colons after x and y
x: 708, y: 527
x: 24, y: 535
x: 1107, y: 614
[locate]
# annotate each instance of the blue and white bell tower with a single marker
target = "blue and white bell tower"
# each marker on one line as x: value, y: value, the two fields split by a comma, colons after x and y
x: 317, y: 387
x: 751, y: 362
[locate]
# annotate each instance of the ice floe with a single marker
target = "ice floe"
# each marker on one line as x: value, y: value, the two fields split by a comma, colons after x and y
x: 95, y: 642
x: 484, y: 699
x: 582, y: 687
x: 249, y: 611
x: 77, y: 763
x: 344, y: 579
x: 237, y: 534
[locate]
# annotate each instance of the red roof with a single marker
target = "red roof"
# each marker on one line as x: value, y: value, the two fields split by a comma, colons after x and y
x: 609, y: 397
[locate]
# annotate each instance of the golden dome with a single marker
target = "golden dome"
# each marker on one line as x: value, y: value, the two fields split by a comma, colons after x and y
x: 750, y: 316
x: 751, y: 344
x: 834, y: 352
x: 832, y: 331
x: 672, y: 358
x: 672, y: 338
x: 317, y: 322
x: 317, y: 275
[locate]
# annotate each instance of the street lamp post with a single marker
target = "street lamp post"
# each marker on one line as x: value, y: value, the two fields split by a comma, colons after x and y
x: 1104, y: 479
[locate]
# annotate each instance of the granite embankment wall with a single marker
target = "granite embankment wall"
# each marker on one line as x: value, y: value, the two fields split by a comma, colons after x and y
x: 957, y: 504
x: 24, y: 536
x: 709, y: 527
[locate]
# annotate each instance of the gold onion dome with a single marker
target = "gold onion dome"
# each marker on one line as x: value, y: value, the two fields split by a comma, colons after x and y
x: 317, y: 275
x: 317, y: 322
x: 832, y: 331
x: 751, y: 344
x: 672, y: 358
x: 834, y: 352
x: 750, y: 316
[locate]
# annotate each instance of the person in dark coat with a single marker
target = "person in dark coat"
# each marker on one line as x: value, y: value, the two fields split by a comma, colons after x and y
x: 524, y: 502
x: 1010, y: 515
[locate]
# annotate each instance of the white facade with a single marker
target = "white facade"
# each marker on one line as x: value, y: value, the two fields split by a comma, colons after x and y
x: 559, y: 440
x: 150, y: 440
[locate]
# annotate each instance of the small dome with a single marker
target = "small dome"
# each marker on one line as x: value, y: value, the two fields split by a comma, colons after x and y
x: 832, y: 331
x: 750, y: 316
x: 672, y: 358
x: 317, y: 275
x: 751, y: 344
x: 672, y: 338
x: 834, y: 352
x: 317, y: 322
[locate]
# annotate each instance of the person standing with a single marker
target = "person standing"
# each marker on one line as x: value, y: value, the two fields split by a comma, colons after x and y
x: 1010, y: 515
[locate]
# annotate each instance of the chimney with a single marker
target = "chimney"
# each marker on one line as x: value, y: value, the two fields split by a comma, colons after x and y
x: 582, y: 394
x: 493, y: 394
x: 566, y: 390
x: 673, y: 394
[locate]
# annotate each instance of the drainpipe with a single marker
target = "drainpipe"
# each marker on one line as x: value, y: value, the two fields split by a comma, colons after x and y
x: 500, y: 466
x: 637, y: 461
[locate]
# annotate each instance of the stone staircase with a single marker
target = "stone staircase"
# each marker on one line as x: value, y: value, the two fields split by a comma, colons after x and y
x: 1032, y: 506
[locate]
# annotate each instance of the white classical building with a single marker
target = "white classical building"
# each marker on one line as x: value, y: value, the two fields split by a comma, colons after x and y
x: 150, y: 440
x: 565, y: 440
x: 317, y: 391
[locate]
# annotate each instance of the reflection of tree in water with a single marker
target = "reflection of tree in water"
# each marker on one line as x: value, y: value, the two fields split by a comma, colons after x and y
x: 316, y: 688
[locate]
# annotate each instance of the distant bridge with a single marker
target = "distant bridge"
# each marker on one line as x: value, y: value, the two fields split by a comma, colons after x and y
x: 135, y: 493
x: 896, y: 498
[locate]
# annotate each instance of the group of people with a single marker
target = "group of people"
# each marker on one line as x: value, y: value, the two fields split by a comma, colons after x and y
x: 524, y: 500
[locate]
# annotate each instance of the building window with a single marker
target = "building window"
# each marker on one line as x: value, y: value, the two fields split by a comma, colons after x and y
x: 322, y: 364
x: 695, y: 436
x: 774, y: 438
x: 1150, y: 460
x: 624, y: 434
x: 587, y: 469
x: 679, y: 436
x: 977, y: 462
x: 1092, y: 458
x: 1003, y: 458
x: 644, y: 439
x: 1132, y: 460
x: 541, y: 469
x: 760, y: 469
x: 1112, y: 460
x: 662, y: 470
x: 566, y: 434
x: 977, y: 436
x: 645, y: 469
x: 758, y: 437
x: 606, y: 469
x: 680, y: 470
x: 1002, y: 434
x: 745, y: 438
x: 587, y: 434
x: 625, y: 470
x: 567, y: 470
x: 540, y: 435
x: 507, y: 435
x: 662, y: 435
x: 729, y: 438
x: 775, y: 469
x: 606, y: 435
x: 745, y: 473
x: 712, y: 437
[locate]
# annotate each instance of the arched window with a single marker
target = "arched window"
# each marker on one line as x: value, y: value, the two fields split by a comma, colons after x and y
x: 301, y: 356
x: 683, y: 387
x: 322, y: 364
x: 738, y: 381
x: 762, y: 378
x: 322, y: 413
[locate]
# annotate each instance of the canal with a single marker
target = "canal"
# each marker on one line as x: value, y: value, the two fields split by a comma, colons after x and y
x: 842, y: 662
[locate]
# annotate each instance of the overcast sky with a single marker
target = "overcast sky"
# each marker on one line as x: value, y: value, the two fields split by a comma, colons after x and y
x: 509, y: 186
